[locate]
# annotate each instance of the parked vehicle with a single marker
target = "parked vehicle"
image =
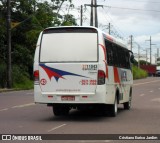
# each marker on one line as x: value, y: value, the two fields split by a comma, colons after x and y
x: 158, y: 73
x: 150, y: 69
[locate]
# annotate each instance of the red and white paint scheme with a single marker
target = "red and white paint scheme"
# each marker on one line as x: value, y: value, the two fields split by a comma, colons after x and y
x: 82, y: 67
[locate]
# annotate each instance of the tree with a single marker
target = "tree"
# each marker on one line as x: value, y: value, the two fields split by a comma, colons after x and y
x: 142, y: 62
x: 69, y: 20
x: 31, y: 16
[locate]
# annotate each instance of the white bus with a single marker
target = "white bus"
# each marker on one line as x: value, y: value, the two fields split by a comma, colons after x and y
x: 82, y: 67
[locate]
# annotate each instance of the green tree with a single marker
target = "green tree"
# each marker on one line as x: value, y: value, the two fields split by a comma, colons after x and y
x: 33, y: 16
x: 69, y: 20
x: 142, y: 62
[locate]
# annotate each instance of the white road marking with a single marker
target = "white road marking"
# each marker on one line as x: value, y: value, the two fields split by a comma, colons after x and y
x: 156, y: 100
x: 56, y: 128
x: 151, y: 91
x: 18, y: 106
x: 24, y: 105
x: 4, y: 109
x: 136, y: 84
x: 141, y: 95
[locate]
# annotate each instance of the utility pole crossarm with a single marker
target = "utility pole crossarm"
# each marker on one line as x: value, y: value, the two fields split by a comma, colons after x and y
x: 94, y: 17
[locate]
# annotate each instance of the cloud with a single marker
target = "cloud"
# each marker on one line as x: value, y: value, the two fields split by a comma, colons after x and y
x: 143, y: 41
x: 151, y: 5
x: 140, y: 23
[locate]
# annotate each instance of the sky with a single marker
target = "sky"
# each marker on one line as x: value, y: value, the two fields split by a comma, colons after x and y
x: 140, y: 18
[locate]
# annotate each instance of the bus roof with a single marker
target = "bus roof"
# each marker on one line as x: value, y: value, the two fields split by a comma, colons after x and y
x: 109, y: 37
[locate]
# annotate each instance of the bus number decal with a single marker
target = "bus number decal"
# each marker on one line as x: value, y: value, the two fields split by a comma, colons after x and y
x: 88, y: 82
x: 43, y: 81
x: 89, y: 67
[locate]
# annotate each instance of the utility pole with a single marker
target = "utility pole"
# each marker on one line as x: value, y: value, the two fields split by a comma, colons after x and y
x: 131, y: 42
x: 146, y: 56
x: 9, y: 68
x: 94, y: 15
x: 138, y: 55
x: 81, y: 17
x: 150, y: 40
x: 150, y: 50
x: 157, y: 52
x: 91, y: 19
x: 109, y: 28
x: 155, y: 58
x: 34, y: 6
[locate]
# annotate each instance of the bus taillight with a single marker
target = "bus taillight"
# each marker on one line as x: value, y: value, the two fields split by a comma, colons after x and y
x: 101, y: 77
x: 36, y: 77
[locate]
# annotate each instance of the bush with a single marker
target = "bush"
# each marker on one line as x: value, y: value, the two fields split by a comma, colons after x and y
x: 138, y: 73
x: 21, y: 78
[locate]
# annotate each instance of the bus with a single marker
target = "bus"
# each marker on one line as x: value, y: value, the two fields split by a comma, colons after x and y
x: 77, y: 67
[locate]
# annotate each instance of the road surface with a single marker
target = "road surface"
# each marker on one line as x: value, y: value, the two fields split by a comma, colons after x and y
x: 19, y: 115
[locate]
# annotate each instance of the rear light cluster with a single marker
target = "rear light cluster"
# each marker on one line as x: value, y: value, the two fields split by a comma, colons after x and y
x: 101, y: 77
x: 36, y: 77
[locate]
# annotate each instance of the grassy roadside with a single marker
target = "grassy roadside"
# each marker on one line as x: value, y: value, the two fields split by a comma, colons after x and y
x: 26, y: 85
x: 138, y: 73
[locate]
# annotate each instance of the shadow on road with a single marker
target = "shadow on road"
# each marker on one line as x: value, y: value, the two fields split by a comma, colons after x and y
x: 83, y: 116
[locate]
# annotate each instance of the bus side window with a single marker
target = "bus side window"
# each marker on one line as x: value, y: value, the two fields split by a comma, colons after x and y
x: 127, y: 60
x: 115, y: 54
x: 109, y: 52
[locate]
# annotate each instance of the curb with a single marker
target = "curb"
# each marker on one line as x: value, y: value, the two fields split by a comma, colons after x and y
x: 8, y: 90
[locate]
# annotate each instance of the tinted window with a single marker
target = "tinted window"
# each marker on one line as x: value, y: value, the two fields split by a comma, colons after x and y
x: 117, y: 55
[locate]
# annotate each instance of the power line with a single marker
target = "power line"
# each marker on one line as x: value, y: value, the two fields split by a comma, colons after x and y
x: 114, y: 25
x: 143, y: 1
x: 131, y: 8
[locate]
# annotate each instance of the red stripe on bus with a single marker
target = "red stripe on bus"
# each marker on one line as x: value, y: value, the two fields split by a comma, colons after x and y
x: 116, y: 75
x: 106, y: 68
x: 104, y: 50
x: 109, y: 38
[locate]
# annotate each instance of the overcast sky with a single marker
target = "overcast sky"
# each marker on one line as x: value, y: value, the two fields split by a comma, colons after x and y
x: 125, y: 20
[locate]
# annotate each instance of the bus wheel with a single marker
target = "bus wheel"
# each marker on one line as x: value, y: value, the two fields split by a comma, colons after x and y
x: 127, y: 105
x: 60, y: 110
x: 65, y: 111
x: 56, y: 111
x: 114, y: 108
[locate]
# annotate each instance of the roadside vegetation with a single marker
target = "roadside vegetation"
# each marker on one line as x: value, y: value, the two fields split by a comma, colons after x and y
x: 28, y: 19
x: 138, y: 73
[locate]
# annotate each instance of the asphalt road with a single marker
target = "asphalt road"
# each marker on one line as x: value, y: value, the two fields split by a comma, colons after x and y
x: 19, y: 115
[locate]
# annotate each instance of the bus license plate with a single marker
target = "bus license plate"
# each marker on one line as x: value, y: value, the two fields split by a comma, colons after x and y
x: 68, y: 98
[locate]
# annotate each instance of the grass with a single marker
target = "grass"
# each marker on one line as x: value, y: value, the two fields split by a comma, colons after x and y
x: 27, y: 84
x: 138, y: 73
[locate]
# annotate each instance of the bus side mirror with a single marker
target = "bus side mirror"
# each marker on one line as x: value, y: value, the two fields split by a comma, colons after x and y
x: 132, y: 58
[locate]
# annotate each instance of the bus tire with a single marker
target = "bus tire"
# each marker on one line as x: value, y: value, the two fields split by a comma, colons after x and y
x: 56, y: 111
x: 127, y: 105
x: 65, y: 111
x: 60, y: 110
x: 114, y: 108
